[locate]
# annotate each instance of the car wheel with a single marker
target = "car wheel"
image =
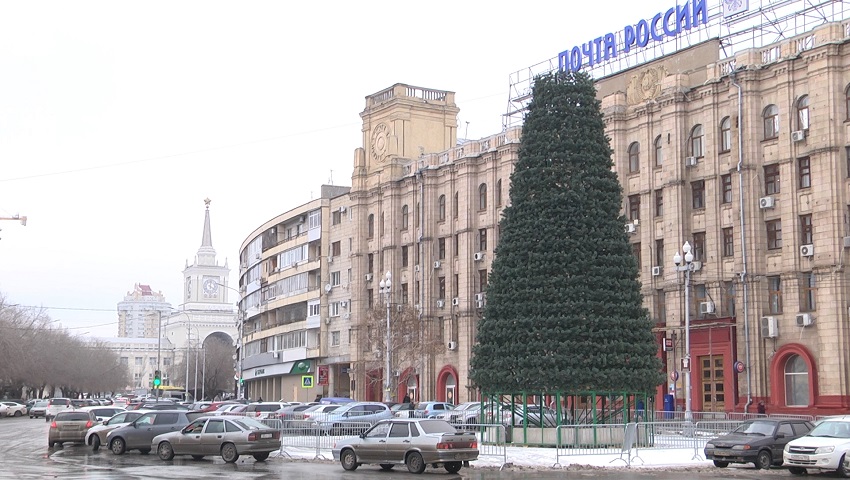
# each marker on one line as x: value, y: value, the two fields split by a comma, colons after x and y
x: 842, y: 471
x: 797, y: 471
x: 719, y: 464
x: 764, y: 460
x: 453, y: 467
x: 198, y: 457
x: 18, y: 413
x: 414, y: 463
x: 117, y: 446
x: 165, y: 451
x: 387, y: 466
x: 261, y: 457
x: 348, y: 460
x: 95, y: 443
x: 229, y: 453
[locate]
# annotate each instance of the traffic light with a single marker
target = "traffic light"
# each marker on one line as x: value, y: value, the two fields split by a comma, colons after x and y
x: 157, y: 379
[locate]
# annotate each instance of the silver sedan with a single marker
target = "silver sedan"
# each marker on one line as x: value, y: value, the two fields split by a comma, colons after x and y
x: 216, y: 435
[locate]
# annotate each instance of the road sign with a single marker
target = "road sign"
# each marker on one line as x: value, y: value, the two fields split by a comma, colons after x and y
x: 306, y: 381
x: 668, y: 344
x: 739, y: 367
x: 674, y: 375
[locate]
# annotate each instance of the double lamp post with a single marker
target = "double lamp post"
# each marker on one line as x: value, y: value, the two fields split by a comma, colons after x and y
x: 686, y: 361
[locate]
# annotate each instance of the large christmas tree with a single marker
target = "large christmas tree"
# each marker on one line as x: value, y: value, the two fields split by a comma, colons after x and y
x: 564, y: 309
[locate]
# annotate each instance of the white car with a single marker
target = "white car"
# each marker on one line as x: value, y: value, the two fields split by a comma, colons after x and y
x: 103, y: 413
x: 56, y: 405
x: 14, y: 409
x: 824, y: 448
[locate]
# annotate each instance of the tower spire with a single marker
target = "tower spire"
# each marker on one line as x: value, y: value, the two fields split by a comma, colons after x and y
x: 206, y: 254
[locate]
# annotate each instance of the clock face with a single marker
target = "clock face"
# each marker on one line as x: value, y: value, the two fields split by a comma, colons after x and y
x: 379, y: 142
x: 210, y: 287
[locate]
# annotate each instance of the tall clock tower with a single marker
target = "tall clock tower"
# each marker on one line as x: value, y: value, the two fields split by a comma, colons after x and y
x: 205, y: 282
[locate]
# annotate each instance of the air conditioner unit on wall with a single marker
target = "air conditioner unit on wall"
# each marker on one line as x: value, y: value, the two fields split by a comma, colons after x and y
x: 690, y: 161
x: 342, y: 209
x: 766, y: 202
x: 695, y: 266
x: 706, y: 307
x: 441, y: 303
x: 416, y: 268
x: 478, y: 256
x: 768, y: 327
x: 330, y: 259
x: 630, y: 227
x: 455, y: 301
x: 807, y: 250
x: 805, y: 319
x: 368, y: 277
x: 798, y: 136
x: 452, y: 346
x: 437, y: 264
x: 479, y: 297
x: 656, y: 271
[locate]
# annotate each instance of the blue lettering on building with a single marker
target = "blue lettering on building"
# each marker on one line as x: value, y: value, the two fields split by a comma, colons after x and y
x: 669, y: 24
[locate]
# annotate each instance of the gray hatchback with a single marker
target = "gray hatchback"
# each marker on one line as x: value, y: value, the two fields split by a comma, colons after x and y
x: 138, y: 434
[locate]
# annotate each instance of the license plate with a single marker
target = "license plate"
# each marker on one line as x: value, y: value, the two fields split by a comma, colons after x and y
x: 798, y: 457
x: 721, y: 454
x: 266, y: 435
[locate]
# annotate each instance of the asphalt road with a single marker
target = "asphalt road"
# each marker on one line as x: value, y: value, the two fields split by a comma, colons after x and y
x: 26, y: 456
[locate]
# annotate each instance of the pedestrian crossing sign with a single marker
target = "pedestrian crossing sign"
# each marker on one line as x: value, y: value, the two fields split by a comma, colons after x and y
x: 306, y: 381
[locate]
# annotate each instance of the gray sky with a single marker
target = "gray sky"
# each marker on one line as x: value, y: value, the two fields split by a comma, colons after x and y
x: 117, y: 119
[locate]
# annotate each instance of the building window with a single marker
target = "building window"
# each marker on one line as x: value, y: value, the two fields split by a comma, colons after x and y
x: 728, y: 242
x: 803, y: 113
x: 659, y: 253
x: 456, y: 249
x: 441, y: 287
x: 725, y: 135
x: 726, y: 188
x: 636, y: 252
x: 700, y: 296
x: 729, y: 299
x: 699, y: 247
x: 416, y: 215
x: 370, y: 303
x: 335, y: 278
x: 313, y: 310
x: 482, y: 196
x: 405, y: 217
x: 441, y: 208
x: 482, y: 240
x: 808, y: 292
x: 336, y: 217
x: 771, y: 122
x: 441, y: 248
x: 771, y: 179
x: 499, y: 192
x: 404, y: 294
x: 456, y: 286
x: 335, y: 338
x: 455, y: 206
x: 659, y: 202
x: 382, y: 224
x: 336, y: 249
x: 695, y: 143
x: 804, y: 168
x: 796, y: 382
x: 660, y: 306
x: 634, y: 157
x: 404, y: 255
x: 333, y: 309
x: 659, y: 154
x: 774, y: 234
x: 482, y: 280
x: 634, y: 207
x: 370, y: 263
x: 370, y: 227
x: 806, y: 231
x: 774, y: 294
x: 139, y: 361
x: 698, y: 194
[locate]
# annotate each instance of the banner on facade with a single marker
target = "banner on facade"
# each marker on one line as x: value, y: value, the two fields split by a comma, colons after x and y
x: 322, y: 372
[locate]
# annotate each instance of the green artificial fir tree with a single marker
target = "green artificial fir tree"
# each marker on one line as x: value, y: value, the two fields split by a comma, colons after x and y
x: 564, y: 309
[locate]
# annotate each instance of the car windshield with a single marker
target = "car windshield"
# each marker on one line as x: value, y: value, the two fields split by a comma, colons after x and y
x: 72, y: 417
x: 437, y: 426
x: 831, y: 429
x: 342, y: 409
x: 250, y: 424
x: 756, y: 428
x: 41, y: 404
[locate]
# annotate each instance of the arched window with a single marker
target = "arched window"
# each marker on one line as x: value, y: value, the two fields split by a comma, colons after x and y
x: 499, y: 192
x: 796, y: 382
x: 803, y: 113
x: 659, y: 154
x: 771, y: 122
x: 405, y: 217
x: 482, y: 196
x: 441, y: 209
x: 847, y: 103
x: 370, y: 228
x: 634, y: 157
x: 455, y: 207
x: 726, y: 134
x: 695, y: 144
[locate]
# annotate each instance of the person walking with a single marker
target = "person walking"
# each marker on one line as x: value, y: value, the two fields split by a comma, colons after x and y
x: 406, y: 399
x: 761, y: 408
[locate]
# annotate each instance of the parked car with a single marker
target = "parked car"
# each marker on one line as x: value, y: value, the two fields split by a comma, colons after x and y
x: 3, y: 409
x: 70, y: 426
x: 463, y: 415
x: 96, y: 436
x: 415, y: 443
x: 138, y: 434
x: 212, y: 407
x: 103, y: 413
x: 56, y: 405
x: 353, y: 418
x: 263, y: 410
x: 290, y: 413
x: 825, y: 447
x: 224, y: 408
x: 238, y: 410
x: 431, y: 409
x: 15, y: 409
x: 758, y: 441
x: 403, y: 410
x: 228, y: 437
x: 315, y: 412
x: 39, y: 409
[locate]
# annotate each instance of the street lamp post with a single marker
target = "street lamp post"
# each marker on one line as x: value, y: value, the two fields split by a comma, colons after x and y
x: 386, y: 288
x: 686, y: 361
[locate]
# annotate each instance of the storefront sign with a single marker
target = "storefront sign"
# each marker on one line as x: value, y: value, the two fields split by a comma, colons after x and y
x: 322, y: 374
x: 669, y: 24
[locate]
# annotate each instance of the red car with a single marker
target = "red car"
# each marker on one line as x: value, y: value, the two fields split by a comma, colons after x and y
x: 214, y: 406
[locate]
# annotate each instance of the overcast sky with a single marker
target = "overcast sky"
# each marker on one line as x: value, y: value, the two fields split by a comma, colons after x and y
x: 117, y: 119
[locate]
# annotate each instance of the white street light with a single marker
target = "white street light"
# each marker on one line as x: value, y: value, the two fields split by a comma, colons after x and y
x: 686, y: 361
x: 385, y: 288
